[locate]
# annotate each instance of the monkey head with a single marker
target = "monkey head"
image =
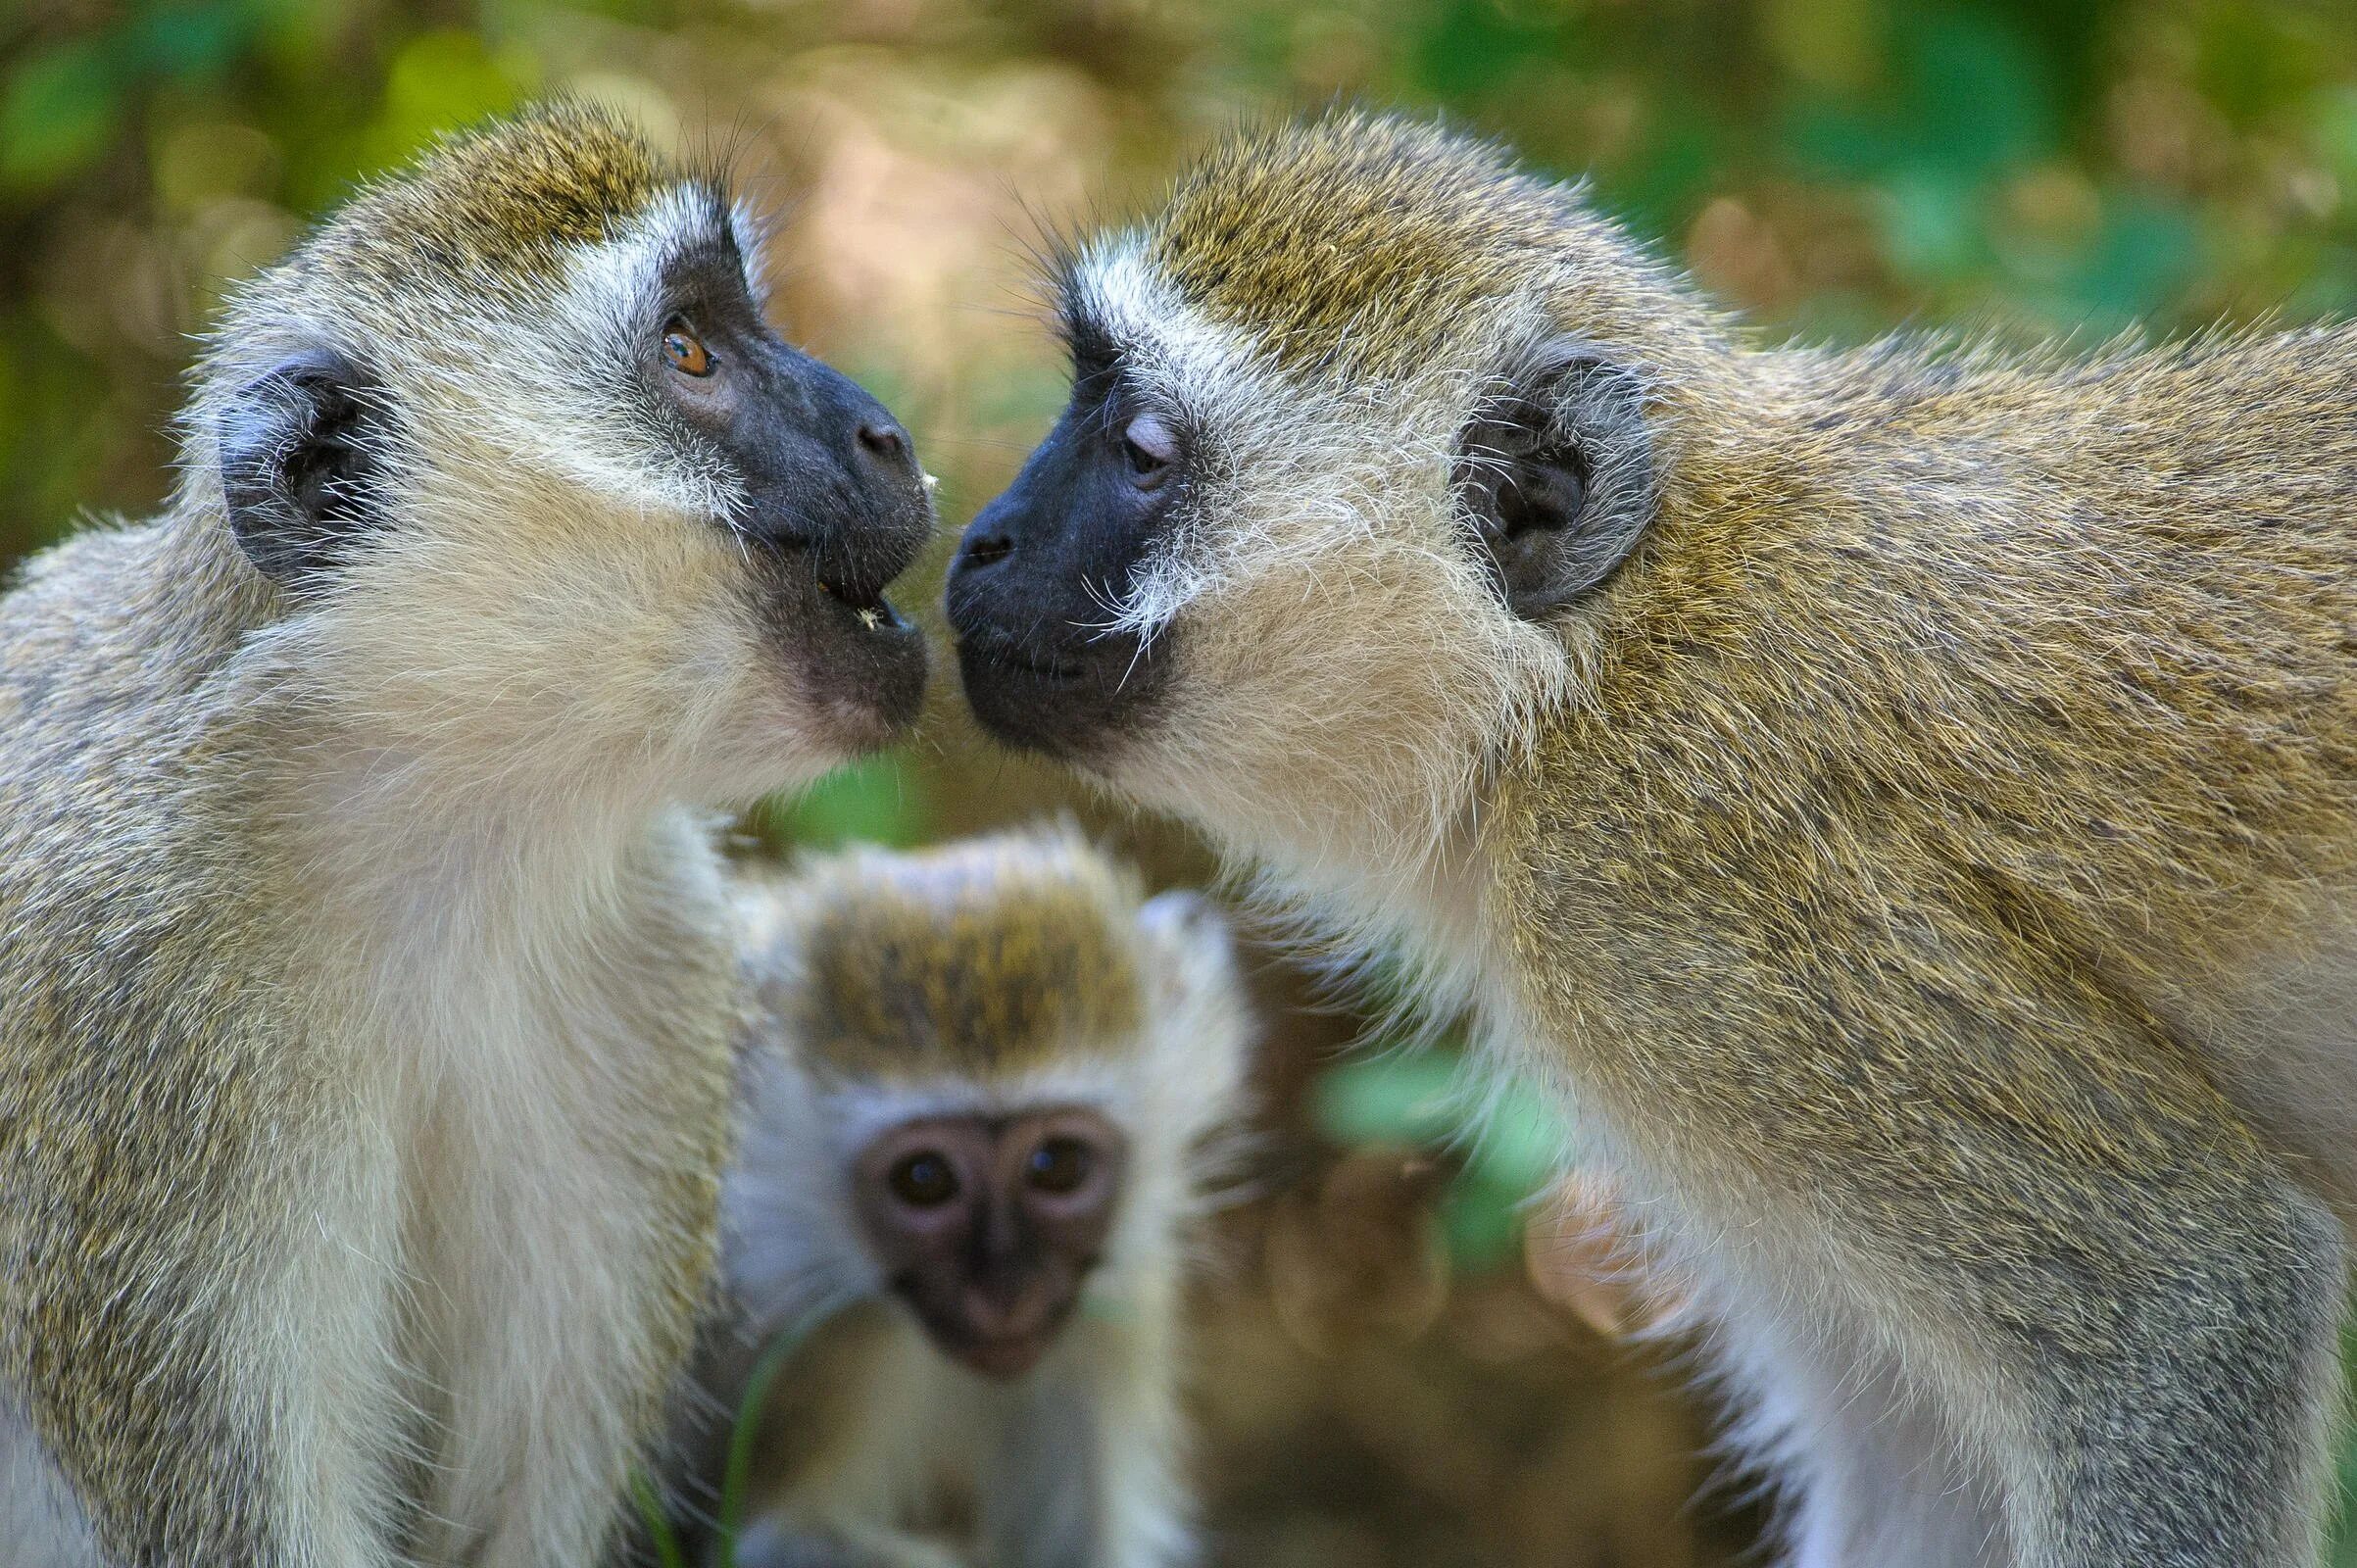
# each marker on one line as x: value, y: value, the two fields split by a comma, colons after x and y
x: 1008, y: 1057
x: 1360, y: 426
x: 526, y: 465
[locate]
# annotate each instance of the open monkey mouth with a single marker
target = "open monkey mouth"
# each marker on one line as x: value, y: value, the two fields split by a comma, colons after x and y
x: 853, y: 655
x: 867, y: 605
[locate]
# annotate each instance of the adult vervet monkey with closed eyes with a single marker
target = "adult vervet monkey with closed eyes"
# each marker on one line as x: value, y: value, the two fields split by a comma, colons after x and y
x: 1906, y: 797
x: 366, y: 968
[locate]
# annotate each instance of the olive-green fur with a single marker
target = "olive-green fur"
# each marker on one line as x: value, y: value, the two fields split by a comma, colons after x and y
x: 984, y: 958
x: 1964, y: 724
x: 1369, y: 244
x: 496, y: 206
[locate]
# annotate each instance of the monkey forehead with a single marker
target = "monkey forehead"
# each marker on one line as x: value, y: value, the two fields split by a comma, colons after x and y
x: 1360, y: 240
x: 987, y: 957
x: 506, y: 202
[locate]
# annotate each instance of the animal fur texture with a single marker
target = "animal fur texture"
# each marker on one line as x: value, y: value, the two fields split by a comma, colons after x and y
x: 1929, y: 863
x: 365, y: 969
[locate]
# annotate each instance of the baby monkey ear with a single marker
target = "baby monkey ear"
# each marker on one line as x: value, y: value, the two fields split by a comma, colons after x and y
x: 299, y: 461
x: 1556, y: 471
x: 1193, y: 936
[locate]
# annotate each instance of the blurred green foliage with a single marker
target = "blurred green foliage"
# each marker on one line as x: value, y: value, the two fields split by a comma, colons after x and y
x: 1835, y: 169
x: 879, y: 801
x: 1511, y: 1143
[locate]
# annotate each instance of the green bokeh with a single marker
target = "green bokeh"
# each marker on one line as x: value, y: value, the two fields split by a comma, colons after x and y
x: 1510, y: 1141
x: 880, y: 800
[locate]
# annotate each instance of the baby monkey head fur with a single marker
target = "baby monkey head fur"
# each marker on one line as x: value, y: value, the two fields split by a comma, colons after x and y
x: 530, y: 479
x: 1359, y: 374
x: 1004, y: 1057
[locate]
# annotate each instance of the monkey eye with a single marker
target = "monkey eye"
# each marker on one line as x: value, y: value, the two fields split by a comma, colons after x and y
x: 1058, y: 1165
x: 684, y: 349
x: 1151, y: 447
x: 922, y: 1180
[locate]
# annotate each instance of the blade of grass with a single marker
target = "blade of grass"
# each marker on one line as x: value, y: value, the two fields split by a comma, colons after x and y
x: 659, y: 1523
x: 737, y: 1474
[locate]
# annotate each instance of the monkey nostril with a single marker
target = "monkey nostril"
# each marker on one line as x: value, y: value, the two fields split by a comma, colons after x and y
x: 882, y: 439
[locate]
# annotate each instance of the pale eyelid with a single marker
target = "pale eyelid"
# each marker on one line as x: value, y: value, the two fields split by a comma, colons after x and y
x: 1151, y: 435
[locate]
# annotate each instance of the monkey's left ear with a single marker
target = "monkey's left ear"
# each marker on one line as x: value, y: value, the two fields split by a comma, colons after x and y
x: 298, y: 462
x: 1188, y: 927
x: 1557, y: 474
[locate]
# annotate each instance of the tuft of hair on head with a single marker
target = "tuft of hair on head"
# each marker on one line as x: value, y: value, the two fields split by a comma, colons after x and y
x: 1353, y: 234
x: 501, y: 203
x: 989, y: 959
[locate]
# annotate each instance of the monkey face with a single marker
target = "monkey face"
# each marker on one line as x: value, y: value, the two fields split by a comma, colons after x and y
x: 1310, y: 551
x: 988, y: 1226
x: 551, y: 489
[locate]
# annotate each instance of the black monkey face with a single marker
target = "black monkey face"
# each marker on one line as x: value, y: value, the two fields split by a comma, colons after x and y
x: 831, y: 502
x: 1035, y: 590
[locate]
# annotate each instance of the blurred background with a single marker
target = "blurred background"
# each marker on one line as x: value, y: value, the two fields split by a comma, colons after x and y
x: 1403, y: 1357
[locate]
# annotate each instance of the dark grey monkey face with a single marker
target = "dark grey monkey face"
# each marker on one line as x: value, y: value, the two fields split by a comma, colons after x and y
x: 834, y: 492
x: 830, y: 506
x: 1029, y: 589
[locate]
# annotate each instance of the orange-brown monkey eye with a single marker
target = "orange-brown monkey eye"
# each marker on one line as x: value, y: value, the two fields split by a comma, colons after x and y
x: 685, y: 350
x: 924, y: 1181
x: 1058, y: 1165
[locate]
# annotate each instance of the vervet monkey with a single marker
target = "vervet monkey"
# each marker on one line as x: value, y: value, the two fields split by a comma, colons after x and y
x: 366, y: 968
x: 990, y: 1089
x: 1906, y: 797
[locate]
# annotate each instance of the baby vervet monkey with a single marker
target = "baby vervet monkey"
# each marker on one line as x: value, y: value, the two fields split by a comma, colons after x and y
x: 1905, y: 796
x: 365, y: 965
x: 988, y: 1090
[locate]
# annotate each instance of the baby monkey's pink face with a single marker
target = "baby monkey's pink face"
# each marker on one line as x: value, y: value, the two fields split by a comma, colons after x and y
x: 988, y: 1226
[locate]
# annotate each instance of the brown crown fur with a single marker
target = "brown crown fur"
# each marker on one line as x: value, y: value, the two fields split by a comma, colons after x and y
x: 984, y: 957
x: 495, y: 207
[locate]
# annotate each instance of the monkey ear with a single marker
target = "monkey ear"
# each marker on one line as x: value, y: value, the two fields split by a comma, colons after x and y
x: 299, y: 461
x: 1183, y: 918
x: 1557, y: 474
x: 1189, y: 928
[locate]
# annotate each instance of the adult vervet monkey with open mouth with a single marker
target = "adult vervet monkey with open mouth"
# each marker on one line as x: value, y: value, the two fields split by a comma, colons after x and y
x: 366, y: 968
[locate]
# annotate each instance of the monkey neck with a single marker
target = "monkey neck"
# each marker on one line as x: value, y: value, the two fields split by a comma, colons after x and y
x: 1423, y: 901
x: 379, y: 853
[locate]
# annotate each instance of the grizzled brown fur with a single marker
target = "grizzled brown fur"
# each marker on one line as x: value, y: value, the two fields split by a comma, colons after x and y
x: 1017, y: 951
x: 1370, y: 243
x: 495, y: 207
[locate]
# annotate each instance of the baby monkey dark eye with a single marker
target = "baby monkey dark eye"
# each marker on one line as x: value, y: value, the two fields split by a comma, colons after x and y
x: 684, y: 349
x: 1058, y: 1165
x: 924, y: 1181
x: 1150, y: 448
